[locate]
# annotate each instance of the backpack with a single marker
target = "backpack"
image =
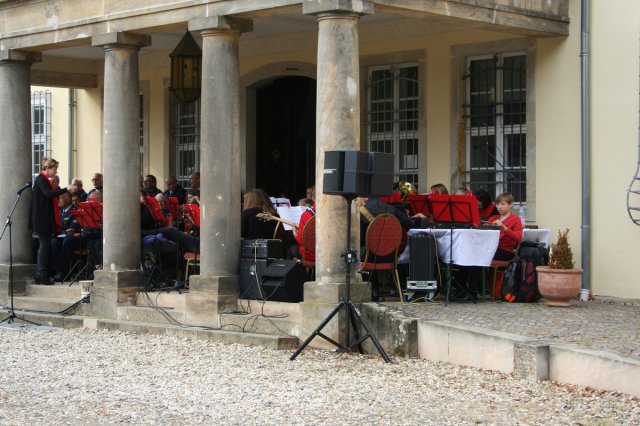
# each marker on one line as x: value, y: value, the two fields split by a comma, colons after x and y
x: 520, y: 282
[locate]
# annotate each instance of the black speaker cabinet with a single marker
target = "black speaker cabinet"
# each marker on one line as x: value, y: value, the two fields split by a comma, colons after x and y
x: 357, y: 173
x: 422, y: 262
x: 251, y: 272
x: 283, y: 281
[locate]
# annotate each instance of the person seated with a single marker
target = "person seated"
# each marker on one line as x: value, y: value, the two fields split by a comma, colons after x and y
x: 252, y: 227
x: 486, y: 206
x: 299, y: 251
x: 76, y: 186
x: 510, y: 237
x: 68, y: 240
x: 463, y: 190
x: 305, y: 202
x: 175, y: 190
x: 76, y: 199
x: 164, y: 208
x: 150, y: 185
x: 510, y: 227
x: 439, y: 188
x: 193, y: 196
x: 147, y: 222
x: 194, y: 181
x: 97, y: 184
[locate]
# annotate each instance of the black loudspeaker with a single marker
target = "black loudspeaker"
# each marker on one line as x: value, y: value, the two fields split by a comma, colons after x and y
x: 283, y: 281
x: 251, y: 272
x: 357, y: 173
x: 422, y: 262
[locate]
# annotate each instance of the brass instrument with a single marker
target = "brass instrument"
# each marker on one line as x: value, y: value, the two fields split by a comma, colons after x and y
x: 405, y: 189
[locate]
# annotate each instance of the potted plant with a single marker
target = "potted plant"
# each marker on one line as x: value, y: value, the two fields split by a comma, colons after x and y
x: 559, y: 282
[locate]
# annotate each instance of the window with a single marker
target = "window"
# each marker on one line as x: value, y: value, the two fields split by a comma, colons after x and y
x: 40, y: 129
x: 187, y: 140
x: 496, y: 124
x: 392, y: 117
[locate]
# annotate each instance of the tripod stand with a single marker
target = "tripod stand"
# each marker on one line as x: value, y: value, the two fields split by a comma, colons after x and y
x: 12, y: 314
x: 350, y: 256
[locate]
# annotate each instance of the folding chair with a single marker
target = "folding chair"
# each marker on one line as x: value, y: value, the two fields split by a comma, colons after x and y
x: 308, y: 238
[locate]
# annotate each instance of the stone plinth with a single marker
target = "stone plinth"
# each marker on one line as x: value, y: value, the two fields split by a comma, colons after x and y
x: 208, y: 295
x: 21, y: 274
x: 319, y: 300
x: 113, y: 288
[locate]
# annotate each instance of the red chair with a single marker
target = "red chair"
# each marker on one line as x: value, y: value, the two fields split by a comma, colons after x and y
x: 383, y: 238
x: 308, y: 238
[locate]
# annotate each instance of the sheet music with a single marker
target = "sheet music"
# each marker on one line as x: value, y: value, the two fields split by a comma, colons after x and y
x: 280, y: 202
x: 291, y: 214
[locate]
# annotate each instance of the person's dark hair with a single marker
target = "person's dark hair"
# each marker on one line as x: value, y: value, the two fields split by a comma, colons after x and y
x: 192, y: 191
x: 484, y: 197
x: 439, y: 188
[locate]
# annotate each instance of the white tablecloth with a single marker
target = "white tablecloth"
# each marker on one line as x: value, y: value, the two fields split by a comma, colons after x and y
x: 471, y: 247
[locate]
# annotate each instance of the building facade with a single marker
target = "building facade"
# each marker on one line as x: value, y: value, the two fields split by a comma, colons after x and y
x: 485, y: 94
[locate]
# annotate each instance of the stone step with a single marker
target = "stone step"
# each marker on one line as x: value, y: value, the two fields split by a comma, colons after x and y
x: 164, y: 299
x: 224, y: 336
x: 51, y: 305
x: 58, y: 290
x: 259, y: 323
x: 150, y: 315
x: 269, y: 308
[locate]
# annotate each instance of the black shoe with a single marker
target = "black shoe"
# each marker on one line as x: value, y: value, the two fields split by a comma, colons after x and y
x: 43, y: 280
x: 58, y: 278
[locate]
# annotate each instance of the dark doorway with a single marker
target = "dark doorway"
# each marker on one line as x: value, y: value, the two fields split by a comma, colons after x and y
x: 286, y: 136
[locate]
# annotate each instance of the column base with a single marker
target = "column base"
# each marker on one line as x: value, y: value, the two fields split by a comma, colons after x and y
x: 208, y: 296
x: 319, y: 300
x: 22, y: 273
x: 113, y: 288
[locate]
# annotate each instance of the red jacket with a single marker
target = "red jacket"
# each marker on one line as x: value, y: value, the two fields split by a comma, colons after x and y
x: 509, y: 239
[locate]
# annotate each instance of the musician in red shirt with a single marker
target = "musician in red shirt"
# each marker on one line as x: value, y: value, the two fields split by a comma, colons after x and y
x: 510, y: 227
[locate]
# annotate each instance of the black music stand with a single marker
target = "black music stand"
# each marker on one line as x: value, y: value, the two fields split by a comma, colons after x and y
x: 454, y: 211
x: 350, y: 256
x: 12, y: 314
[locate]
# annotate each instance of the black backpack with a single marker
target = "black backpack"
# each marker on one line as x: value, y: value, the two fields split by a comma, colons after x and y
x: 520, y: 282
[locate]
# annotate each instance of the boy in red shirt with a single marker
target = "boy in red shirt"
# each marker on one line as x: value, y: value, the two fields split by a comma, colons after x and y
x: 510, y: 227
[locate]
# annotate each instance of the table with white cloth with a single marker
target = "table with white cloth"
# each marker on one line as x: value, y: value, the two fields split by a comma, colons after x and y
x: 466, y: 247
x: 471, y: 247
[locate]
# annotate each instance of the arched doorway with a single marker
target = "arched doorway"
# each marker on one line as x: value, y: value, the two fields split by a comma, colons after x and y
x: 285, y: 135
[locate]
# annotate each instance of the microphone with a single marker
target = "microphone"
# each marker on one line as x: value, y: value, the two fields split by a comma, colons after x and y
x: 26, y: 186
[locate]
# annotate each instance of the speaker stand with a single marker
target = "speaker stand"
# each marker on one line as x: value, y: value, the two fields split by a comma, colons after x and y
x: 354, y: 316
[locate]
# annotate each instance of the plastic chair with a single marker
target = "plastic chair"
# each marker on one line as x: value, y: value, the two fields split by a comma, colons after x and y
x: 383, y: 238
x: 308, y: 238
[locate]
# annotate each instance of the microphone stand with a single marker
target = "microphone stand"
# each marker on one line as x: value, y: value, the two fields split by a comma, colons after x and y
x: 12, y: 314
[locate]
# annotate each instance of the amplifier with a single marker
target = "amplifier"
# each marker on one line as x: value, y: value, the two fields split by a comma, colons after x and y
x: 422, y: 261
x: 261, y: 249
x: 251, y: 271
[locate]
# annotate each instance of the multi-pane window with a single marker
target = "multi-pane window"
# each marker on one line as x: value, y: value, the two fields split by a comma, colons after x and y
x: 496, y: 125
x: 187, y: 140
x: 392, y: 117
x: 40, y: 129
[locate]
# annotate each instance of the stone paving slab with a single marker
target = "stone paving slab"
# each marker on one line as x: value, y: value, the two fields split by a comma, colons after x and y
x: 611, y: 327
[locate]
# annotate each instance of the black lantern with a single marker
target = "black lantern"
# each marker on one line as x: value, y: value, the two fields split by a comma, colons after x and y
x: 186, y: 69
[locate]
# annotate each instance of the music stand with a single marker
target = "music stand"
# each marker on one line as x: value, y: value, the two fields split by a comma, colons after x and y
x: 173, y: 205
x: 420, y: 204
x: 193, y: 210
x: 350, y: 256
x: 12, y: 313
x: 94, y: 209
x: 454, y: 210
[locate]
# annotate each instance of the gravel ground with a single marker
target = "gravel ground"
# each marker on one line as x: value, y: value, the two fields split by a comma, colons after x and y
x: 56, y: 376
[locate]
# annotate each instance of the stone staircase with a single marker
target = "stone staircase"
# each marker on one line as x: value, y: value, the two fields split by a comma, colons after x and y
x: 270, y: 324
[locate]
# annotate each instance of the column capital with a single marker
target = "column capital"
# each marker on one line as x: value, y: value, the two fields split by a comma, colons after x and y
x: 16, y: 55
x: 221, y: 22
x: 359, y: 7
x: 121, y: 38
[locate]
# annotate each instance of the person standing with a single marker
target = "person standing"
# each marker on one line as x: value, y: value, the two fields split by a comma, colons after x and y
x: 42, y: 218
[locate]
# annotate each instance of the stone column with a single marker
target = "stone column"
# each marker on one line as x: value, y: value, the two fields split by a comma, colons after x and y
x: 217, y: 286
x: 337, y: 128
x: 121, y: 226
x: 15, y: 169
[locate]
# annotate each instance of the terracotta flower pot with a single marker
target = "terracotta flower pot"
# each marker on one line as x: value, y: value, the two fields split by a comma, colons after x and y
x: 559, y: 286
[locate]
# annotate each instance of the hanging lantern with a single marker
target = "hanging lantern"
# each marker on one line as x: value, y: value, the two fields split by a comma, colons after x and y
x: 186, y: 69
